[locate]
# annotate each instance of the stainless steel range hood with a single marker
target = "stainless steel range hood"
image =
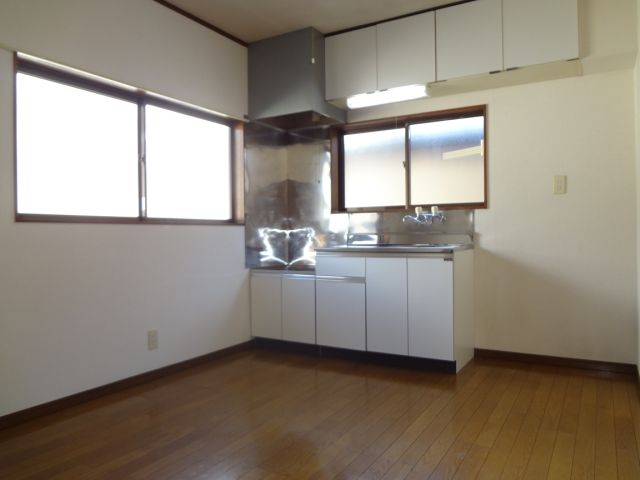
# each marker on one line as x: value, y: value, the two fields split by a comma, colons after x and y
x: 286, y: 82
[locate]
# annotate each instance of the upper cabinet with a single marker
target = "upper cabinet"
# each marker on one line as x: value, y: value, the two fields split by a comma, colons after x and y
x: 469, y: 39
x: 391, y: 54
x: 406, y: 51
x: 539, y: 32
x: 350, y: 63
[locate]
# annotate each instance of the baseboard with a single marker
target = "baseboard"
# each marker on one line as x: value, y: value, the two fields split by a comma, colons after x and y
x: 287, y: 346
x: 22, y: 416
x: 386, y: 359
x: 612, y: 367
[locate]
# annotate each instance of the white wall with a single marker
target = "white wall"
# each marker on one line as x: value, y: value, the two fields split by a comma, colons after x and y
x: 137, y: 42
x: 637, y: 130
x: 76, y: 300
x: 556, y: 274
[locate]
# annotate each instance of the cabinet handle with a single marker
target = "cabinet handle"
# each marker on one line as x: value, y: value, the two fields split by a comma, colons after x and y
x: 341, y: 279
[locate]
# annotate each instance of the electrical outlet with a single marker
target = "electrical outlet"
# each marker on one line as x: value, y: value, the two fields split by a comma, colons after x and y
x: 559, y: 184
x: 152, y: 340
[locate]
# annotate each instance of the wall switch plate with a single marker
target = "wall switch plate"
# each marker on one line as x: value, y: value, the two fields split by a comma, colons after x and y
x: 559, y: 184
x: 152, y: 340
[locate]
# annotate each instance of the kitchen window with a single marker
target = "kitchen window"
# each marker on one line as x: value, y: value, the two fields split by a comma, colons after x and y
x: 90, y: 150
x: 430, y: 159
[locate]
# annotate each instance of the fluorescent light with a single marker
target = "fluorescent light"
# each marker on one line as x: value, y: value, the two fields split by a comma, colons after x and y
x: 390, y: 95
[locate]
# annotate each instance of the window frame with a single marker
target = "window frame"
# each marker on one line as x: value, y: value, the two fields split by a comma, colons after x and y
x: 88, y: 82
x: 337, y: 156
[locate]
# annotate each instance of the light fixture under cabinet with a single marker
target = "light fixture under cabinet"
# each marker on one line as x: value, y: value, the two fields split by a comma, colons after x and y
x: 391, y: 95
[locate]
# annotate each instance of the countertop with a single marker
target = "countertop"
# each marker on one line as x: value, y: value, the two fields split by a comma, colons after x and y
x: 421, y: 248
x: 398, y: 248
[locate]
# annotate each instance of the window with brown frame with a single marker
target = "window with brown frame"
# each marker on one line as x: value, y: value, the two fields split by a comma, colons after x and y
x: 89, y: 150
x: 438, y: 158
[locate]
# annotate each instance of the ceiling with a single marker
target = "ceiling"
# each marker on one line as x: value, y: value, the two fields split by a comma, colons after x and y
x: 251, y: 20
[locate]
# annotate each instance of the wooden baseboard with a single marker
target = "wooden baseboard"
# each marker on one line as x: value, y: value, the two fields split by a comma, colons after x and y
x: 22, y: 416
x: 386, y: 359
x: 612, y: 367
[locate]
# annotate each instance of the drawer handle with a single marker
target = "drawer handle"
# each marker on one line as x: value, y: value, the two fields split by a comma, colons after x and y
x: 340, y: 279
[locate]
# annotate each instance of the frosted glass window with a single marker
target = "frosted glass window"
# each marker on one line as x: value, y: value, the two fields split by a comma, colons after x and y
x: 447, y: 161
x: 188, y: 166
x: 77, y: 151
x: 374, y: 174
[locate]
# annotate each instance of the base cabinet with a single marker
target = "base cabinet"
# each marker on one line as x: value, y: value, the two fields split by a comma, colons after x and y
x: 298, y: 308
x: 387, y: 305
x: 266, y: 305
x: 415, y: 305
x: 441, y: 308
x: 340, y: 312
x: 412, y: 305
x: 430, y: 308
x: 283, y: 306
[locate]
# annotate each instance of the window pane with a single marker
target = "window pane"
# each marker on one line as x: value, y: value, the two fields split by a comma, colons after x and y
x: 447, y: 161
x: 188, y: 166
x: 374, y: 173
x: 77, y: 151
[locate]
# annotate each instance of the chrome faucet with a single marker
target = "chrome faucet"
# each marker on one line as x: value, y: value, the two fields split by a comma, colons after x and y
x: 425, y: 218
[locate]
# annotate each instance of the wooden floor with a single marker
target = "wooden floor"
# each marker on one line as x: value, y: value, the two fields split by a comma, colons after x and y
x: 270, y: 415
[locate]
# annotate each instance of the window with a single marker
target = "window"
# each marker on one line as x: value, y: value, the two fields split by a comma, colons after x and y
x: 77, y: 151
x: 87, y: 150
x: 188, y: 166
x: 373, y: 168
x: 432, y: 159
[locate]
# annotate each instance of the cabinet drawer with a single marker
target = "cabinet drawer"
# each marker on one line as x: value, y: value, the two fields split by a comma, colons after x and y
x: 340, y: 266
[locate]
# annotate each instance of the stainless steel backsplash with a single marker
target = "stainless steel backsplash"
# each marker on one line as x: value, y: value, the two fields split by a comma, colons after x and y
x: 288, y: 203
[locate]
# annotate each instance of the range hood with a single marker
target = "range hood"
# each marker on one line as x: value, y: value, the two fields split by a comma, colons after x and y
x: 286, y: 82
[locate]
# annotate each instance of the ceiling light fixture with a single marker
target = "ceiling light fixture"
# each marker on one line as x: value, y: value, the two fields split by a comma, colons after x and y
x: 391, y: 95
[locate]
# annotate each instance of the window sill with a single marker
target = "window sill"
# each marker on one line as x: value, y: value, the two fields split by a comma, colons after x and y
x: 441, y: 206
x: 42, y: 218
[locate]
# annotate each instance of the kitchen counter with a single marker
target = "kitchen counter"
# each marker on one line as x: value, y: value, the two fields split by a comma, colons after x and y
x: 398, y: 248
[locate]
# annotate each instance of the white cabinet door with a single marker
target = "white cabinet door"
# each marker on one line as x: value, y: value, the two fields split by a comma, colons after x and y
x: 539, y: 31
x: 430, y: 300
x: 340, y: 312
x: 469, y: 39
x: 299, y: 308
x: 266, y: 305
x: 350, y: 63
x: 406, y: 51
x: 387, y: 305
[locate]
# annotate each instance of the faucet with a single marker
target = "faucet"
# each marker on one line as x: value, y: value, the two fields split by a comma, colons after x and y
x: 425, y: 218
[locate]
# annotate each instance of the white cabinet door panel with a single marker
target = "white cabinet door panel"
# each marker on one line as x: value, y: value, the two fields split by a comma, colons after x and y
x: 266, y: 306
x: 430, y: 301
x: 469, y: 39
x: 299, y: 308
x: 539, y: 31
x: 406, y: 51
x: 387, y: 305
x: 340, y: 313
x: 350, y: 63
